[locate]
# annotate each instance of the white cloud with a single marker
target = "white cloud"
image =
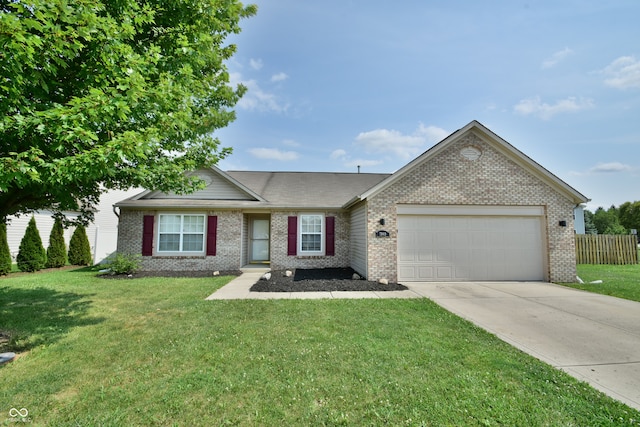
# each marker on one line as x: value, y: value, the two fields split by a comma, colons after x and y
x: 535, y: 106
x: 394, y: 142
x: 390, y: 141
x: 433, y: 134
x: 605, y: 168
x: 610, y: 167
x: 339, y: 154
x: 256, y: 99
x: 280, y: 77
x: 290, y: 143
x: 342, y: 156
x: 256, y: 64
x: 624, y: 73
x: 274, y: 154
x: 556, y: 57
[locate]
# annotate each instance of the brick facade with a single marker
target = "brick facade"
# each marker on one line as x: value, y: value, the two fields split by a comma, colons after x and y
x: 230, y: 241
x: 279, y: 258
x: 441, y: 177
x: 449, y: 179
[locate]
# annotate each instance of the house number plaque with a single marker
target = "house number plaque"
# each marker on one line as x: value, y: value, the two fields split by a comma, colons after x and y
x: 382, y: 233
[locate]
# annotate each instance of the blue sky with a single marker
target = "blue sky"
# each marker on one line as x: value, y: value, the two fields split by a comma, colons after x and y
x: 334, y: 84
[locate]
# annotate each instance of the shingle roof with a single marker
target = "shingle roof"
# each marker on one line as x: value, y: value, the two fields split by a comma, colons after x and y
x: 282, y: 190
x: 307, y: 189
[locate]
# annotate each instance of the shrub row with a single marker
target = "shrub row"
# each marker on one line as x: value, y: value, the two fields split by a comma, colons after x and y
x: 32, y: 255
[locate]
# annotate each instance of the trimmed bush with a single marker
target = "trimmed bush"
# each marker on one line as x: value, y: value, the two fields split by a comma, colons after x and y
x: 123, y: 263
x: 79, y: 247
x: 5, y: 253
x: 31, y: 255
x: 57, y: 250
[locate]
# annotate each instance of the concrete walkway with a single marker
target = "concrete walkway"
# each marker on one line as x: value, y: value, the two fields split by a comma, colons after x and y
x: 593, y: 337
x: 239, y: 287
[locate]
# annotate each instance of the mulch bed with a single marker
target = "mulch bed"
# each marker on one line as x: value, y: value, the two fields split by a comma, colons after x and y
x: 301, y: 280
x: 320, y: 280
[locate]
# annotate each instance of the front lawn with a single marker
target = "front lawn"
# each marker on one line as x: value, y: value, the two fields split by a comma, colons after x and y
x: 152, y: 351
x: 621, y: 281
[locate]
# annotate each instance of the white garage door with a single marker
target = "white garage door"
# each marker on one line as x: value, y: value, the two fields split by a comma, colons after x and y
x: 463, y: 248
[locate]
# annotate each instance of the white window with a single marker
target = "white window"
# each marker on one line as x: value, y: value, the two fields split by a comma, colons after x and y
x: 181, y: 233
x: 311, y: 234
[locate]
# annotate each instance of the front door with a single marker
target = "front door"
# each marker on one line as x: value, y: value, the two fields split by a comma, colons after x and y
x: 259, y: 240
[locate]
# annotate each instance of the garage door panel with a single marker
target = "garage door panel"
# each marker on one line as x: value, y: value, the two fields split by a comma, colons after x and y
x: 443, y: 272
x: 425, y: 256
x: 450, y: 248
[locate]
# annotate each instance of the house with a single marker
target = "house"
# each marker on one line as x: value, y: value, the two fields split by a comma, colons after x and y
x: 471, y: 208
x: 578, y: 220
x: 102, y: 232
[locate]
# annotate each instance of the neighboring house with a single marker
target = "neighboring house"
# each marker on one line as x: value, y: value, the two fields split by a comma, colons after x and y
x: 472, y: 207
x: 102, y: 232
x: 578, y: 220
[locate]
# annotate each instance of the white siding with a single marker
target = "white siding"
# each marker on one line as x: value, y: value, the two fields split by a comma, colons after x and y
x: 102, y: 233
x: 16, y: 226
x: 578, y: 220
x: 358, y: 241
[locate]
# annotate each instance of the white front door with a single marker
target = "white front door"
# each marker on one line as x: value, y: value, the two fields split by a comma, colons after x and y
x: 259, y: 240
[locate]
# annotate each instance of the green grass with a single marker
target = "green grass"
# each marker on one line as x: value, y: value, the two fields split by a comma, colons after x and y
x: 154, y: 352
x: 621, y: 281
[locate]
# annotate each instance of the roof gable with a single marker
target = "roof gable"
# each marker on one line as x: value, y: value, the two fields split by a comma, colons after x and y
x: 219, y: 186
x: 495, y: 142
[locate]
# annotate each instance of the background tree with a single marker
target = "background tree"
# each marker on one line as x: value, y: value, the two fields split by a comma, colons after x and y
x: 31, y: 254
x: 5, y: 252
x: 606, y: 222
x: 629, y: 215
x: 589, y: 226
x: 98, y: 95
x: 57, y: 250
x: 79, y: 247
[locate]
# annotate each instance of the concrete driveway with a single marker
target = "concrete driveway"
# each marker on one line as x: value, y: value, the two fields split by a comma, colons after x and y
x: 593, y: 337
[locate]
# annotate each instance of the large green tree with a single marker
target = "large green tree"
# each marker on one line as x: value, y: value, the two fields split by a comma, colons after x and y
x: 109, y: 94
x: 606, y: 221
x: 629, y: 215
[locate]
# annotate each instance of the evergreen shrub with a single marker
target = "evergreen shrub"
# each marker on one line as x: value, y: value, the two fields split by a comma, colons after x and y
x: 5, y: 253
x: 31, y: 255
x: 79, y: 247
x: 57, y: 250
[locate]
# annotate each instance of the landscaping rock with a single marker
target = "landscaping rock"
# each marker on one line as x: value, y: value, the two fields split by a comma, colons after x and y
x: 6, y: 357
x: 383, y: 281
